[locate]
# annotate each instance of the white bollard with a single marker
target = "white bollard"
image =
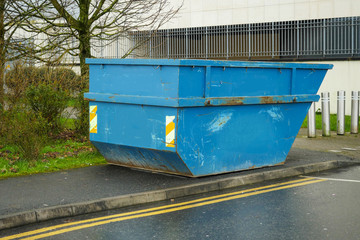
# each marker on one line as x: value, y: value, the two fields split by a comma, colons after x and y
x: 311, y: 121
x: 340, y: 112
x: 325, y: 113
x: 354, y: 112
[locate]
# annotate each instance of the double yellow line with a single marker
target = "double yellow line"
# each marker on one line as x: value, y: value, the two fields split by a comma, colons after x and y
x: 68, y: 227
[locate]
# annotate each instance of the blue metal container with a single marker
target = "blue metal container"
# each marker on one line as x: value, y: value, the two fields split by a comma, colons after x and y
x: 198, y: 117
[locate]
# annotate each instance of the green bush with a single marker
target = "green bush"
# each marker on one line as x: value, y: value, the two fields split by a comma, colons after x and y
x: 48, y: 91
x: 47, y: 103
x: 82, y: 121
x: 34, y: 107
x: 17, y: 80
x: 24, y: 130
x: 67, y: 79
x: 20, y: 77
x: 3, y: 128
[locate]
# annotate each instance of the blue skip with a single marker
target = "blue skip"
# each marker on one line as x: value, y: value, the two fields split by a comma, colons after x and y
x: 198, y: 117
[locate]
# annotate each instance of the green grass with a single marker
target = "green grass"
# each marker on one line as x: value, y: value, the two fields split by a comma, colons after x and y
x: 71, y: 102
x: 67, y: 123
x: 333, y: 121
x: 55, y: 157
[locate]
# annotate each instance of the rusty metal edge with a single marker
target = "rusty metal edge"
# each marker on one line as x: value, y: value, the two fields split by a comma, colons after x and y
x: 199, y: 101
x: 71, y: 210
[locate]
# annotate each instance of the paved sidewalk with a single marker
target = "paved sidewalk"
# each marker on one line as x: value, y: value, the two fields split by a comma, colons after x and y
x: 40, y: 197
x: 347, y: 145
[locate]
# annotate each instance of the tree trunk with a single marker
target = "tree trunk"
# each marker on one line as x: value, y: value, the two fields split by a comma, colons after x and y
x: 84, y: 37
x: 83, y: 119
x: 85, y: 52
x: 2, y: 53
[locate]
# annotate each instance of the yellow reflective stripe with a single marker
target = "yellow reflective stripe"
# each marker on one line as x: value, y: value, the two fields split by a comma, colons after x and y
x: 170, y: 131
x: 93, y: 119
x: 92, y: 116
x: 93, y: 109
x: 170, y: 127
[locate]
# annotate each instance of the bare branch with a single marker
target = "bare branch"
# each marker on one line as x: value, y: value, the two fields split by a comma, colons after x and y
x: 77, y: 27
x: 64, y: 14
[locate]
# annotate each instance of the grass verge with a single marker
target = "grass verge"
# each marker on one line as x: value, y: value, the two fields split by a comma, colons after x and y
x: 333, y: 122
x: 57, y: 156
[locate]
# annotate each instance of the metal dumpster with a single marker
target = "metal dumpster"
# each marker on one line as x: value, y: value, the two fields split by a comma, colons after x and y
x: 198, y: 117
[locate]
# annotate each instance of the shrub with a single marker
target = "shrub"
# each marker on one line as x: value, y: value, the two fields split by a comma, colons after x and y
x: 67, y: 79
x: 48, y: 103
x: 3, y: 129
x: 24, y: 130
x: 47, y: 92
x: 82, y: 121
x: 21, y: 77
x: 17, y: 80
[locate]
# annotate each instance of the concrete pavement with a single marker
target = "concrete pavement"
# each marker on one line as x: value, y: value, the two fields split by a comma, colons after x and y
x: 40, y: 197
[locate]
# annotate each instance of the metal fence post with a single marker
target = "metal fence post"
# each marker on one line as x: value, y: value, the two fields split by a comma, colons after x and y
x: 297, y: 39
x: 354, y: 112
x: 186, y: 43
x: 150, y: 45
x: 311, y: 121
x: 117, y: 47
x: 227, y: 41
x: 324, y: 37
x: 206, y: 42
x: 168, y: 43
x: 325, y: 113
x: 341, y: 112
x: 272, y: 41
x: 249, y: 30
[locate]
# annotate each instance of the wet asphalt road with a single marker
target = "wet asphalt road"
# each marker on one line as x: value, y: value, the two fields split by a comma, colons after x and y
x: 96, y: 182
x: 325, y: 208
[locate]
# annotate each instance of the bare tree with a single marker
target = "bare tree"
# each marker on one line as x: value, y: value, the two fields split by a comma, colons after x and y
x: 11, y: 44
x: 86, y: 22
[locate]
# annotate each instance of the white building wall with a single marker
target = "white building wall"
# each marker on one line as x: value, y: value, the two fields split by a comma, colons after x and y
x: 344, y: 76
x: 196, y: 13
